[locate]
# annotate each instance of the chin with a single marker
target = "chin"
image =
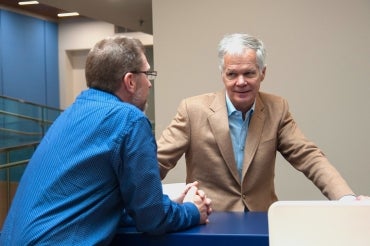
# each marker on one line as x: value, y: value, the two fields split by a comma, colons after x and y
x: 145, y: 107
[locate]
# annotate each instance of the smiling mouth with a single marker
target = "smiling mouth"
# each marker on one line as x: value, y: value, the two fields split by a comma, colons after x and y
x: 242, y: 92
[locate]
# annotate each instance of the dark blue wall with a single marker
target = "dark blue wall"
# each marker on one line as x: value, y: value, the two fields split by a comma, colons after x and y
x: 29, y: 59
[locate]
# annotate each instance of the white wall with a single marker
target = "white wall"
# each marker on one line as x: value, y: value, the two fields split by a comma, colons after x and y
x: 75, y: 40
x: 318, y: 58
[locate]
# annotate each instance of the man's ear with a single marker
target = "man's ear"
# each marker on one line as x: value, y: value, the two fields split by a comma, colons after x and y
x: 129, y: 82
x: 263, y: 73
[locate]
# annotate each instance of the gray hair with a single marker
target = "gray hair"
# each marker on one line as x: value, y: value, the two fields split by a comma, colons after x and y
x: 110, y: 59
x: 237, y: 43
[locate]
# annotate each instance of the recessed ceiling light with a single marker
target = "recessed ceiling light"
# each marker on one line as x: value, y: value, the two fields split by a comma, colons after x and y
x: 28, y: 2
x: 68, y: 14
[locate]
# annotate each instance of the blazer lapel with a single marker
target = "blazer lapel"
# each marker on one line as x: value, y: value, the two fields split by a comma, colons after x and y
x: 254, y: 134
x: 220, y: 127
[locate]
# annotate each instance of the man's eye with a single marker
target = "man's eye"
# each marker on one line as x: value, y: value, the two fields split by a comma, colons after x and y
x: 250, y: 74
x: 231, y: 75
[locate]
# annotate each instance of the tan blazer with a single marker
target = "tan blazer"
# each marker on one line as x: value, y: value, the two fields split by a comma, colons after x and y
x: 200, y: 130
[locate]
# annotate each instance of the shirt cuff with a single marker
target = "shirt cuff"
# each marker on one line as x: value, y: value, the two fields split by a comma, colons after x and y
x: 348, y: 198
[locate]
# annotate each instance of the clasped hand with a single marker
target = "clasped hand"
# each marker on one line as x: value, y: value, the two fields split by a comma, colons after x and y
x: 193, y: 194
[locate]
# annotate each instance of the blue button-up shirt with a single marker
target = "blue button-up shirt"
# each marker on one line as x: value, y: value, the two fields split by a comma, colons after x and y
x: 96, y: 165
x: 238, y: 131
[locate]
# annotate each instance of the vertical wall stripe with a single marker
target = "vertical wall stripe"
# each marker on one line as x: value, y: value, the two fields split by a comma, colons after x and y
x: 1, y: 56
x: 29, y: 60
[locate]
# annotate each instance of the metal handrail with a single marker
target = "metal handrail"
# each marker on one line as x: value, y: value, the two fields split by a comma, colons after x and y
x: 7, y: 151
x: 14, y: 164
x: 25, y: 117
x: 9, y: 165
x: 21, y: 146
x: 30, y: 103
x: 21, y: 132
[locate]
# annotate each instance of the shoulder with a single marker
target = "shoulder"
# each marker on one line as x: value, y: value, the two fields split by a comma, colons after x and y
x: 125, y: 117
x: 270, y: 97
x: 203, y: 103
x: 271, y: 104
x: 206, y: 100
x: 202, y: 98
x: 271, y: 100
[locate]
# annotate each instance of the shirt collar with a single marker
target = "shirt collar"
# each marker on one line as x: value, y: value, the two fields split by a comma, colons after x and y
x: 231, y: 108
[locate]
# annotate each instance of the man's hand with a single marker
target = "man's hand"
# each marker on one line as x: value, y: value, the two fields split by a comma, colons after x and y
x: 181, y: 196
x: 363, y: 198
x: 198, y: 197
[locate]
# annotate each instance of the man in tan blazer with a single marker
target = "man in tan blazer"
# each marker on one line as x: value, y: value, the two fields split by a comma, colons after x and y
x: 230, y: 138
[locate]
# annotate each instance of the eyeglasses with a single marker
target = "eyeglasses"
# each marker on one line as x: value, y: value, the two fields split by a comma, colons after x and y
x: 151, y: 75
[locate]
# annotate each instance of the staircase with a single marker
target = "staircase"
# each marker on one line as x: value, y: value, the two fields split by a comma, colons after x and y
x: 22, y: 126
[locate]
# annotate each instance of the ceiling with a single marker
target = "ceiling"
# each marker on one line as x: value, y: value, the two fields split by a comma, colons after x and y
x: 132, y: 15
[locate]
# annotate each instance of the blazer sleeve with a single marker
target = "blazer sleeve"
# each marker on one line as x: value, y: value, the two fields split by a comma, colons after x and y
x: 174, y: 140
x: 306, y: 157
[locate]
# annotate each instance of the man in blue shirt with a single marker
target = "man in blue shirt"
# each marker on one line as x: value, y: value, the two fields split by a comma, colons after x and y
x: 96, y: 168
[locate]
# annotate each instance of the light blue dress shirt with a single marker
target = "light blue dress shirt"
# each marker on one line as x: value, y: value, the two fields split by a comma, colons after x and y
x: 238, y: 131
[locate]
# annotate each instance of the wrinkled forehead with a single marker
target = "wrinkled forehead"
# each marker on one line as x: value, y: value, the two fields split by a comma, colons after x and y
x: 246, y: 57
